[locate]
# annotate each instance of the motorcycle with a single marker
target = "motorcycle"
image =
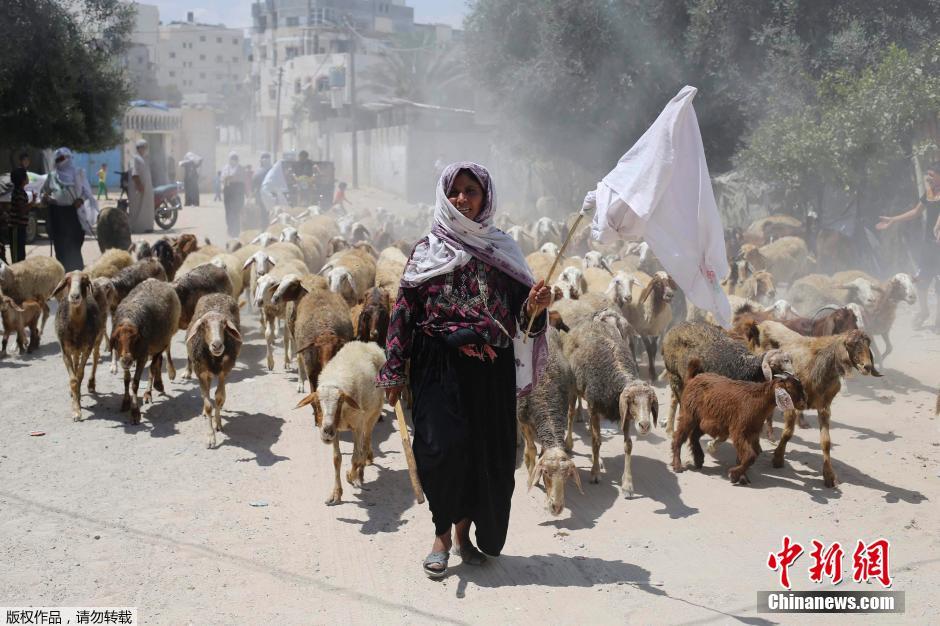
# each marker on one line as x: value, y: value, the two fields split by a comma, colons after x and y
x: 166, y: 201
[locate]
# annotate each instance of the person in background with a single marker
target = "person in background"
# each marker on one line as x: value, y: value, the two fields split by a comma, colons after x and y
x: 217, y: 186
x: 339, y: 198
x: 929, y: 262
x: 140, y: 192
x: 263, y: 168
x: 103, y: 181
x: 233, y: 193
x: 18, y: 217
x: 190, y: 165
x: 66, y: 190
x: 303, y: 173
x: 171, y: 169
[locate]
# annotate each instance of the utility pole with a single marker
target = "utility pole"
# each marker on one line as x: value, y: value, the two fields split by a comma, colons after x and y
x: 352, y: 106
x: 277, y: 113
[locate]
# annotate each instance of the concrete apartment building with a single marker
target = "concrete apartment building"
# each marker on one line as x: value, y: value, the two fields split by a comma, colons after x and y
x: 309, y: 39
x: 207, y: 59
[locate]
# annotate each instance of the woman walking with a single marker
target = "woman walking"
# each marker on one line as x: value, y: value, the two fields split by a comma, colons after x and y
x: 465, y: 300
x: 66, y: 190
x: 233, y: 194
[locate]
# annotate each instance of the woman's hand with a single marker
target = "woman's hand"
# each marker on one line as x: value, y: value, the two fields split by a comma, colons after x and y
x: 392, y: 394
x: 540, y: 296
x: 885, y: 223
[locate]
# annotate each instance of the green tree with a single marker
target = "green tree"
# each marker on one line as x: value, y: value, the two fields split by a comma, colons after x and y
x: 861, y: 129
x: 59, y: 81
x: 423, y: 72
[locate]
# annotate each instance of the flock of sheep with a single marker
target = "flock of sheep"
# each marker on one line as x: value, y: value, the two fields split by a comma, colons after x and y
x: 324, y: 284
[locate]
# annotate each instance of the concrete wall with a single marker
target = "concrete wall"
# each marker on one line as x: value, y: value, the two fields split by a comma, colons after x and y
x: 400, y: 159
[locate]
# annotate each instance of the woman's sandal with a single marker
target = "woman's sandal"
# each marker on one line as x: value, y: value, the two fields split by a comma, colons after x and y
x: 436, y: 558
x: 469, y: 554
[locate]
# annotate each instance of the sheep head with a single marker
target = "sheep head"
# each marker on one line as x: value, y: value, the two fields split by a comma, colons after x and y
x: 233, y: 245
x: 290, y: 234
x: 574, y: 277
x: 857, y: 353
x: 261, y: 261
x: 862, y: 290
x: 788, y: 393
x: 78, y: 284
x: 901, y: 288
x: 638, y: 403
x: 264, y: 290
x: 123, y: 338
x: 9, y: 305
x: 373, y: 320
x: 328, y: 402
x: 593, y: 258
x: 662, y: 285
x: 264, y: 239
x: 214, y: 327
x: 336, y: 244
x: 760, y: 287
x: 341, y: 282
x: 554, y: 467
x: 620, y: 289
x: 290, y: 289
x: 782, y: 310
x: 616, y: 319
x: 775, y: 362
x: 550, y: 248
x: 185, y: 245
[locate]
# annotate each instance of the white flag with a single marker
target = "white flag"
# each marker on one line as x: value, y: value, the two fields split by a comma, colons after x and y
x: 660, y: 190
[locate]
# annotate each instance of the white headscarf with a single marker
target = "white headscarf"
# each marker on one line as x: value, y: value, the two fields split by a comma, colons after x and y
x: 454, y: 238
x: 64, y: 169
x: 70, y: 176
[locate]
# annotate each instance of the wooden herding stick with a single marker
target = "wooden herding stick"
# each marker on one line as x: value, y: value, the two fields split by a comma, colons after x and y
x: 409, y: 453
x: 551, y: 270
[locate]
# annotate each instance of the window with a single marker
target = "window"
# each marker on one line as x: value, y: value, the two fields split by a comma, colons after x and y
x: 293, y: 21
x: 263, y: 51
x: 218, y: 58
x: 290, y: 52
x: 140, y: 60
x: 234, y: 59
x: 202, y: 74
x: 172, y: 55
x: 234, y: 76
x: 297, y: 88
x: 202, y: 57
x: 172, y: 74
x: 202, y: 37
x: 218, y: 40
x: 234, y: 41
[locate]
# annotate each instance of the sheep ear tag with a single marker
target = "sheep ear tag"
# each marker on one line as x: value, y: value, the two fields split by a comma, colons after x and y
x: 784, y: 401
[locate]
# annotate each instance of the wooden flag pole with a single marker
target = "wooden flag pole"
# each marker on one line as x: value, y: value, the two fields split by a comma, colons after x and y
x: 409, y: 453
x: 551, y: 270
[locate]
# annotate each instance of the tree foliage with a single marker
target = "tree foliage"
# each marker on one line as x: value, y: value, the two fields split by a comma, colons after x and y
x: 577, y: 81
x: 60, y: 81
x: 858, y: 129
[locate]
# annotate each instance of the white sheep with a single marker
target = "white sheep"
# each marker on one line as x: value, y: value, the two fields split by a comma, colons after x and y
x: 346, y: 398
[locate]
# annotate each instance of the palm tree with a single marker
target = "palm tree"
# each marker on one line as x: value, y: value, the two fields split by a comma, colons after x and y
x: 425, y: 73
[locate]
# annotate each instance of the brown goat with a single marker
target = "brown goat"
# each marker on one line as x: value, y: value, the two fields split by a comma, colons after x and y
x: 819, y: 363
x: 735, y: 409
x: 16, y: 319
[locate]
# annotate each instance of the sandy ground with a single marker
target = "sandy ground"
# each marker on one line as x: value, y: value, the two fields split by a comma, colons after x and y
x: 102, y: 513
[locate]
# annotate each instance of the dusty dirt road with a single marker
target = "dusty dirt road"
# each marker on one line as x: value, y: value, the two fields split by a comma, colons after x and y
x: 101, y: 513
